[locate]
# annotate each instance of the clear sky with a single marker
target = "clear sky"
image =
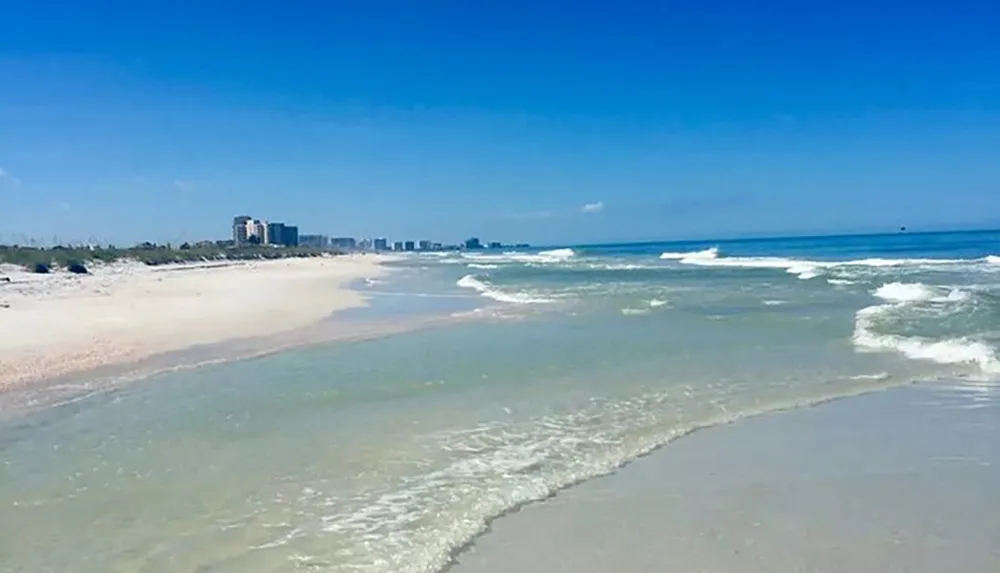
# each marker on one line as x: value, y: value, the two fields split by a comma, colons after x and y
x: 542, y: 121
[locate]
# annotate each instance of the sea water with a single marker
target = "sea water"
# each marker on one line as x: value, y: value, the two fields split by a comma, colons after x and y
x: 391, y: 454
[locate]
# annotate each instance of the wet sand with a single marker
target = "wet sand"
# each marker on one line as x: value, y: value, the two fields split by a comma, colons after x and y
x: 901, y: 480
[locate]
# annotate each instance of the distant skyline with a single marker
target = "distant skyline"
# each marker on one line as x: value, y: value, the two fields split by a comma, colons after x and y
x: 540, y: 122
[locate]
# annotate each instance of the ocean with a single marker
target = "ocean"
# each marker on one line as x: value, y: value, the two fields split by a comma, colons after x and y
x: 559, y: 365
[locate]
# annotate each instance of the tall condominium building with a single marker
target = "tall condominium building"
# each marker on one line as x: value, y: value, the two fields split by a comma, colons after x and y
x: 241, y: 226
x: 381, y: 244
x: 276, y: 234
x: 260, y: 231
x: 397, y: 246
x: 425, y: 245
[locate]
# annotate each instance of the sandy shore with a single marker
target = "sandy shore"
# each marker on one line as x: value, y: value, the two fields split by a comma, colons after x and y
x: 58, y: 324
x: 903, y: 480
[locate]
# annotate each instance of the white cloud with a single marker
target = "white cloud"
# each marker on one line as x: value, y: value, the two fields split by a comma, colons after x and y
x: 593, y: 207
x: 184, y: 185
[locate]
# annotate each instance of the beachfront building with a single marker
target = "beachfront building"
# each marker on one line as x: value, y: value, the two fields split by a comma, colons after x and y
x: 409, y: 246
x: 282, y: 235
x: 248, y: 231
x: 290, y: 237
x: 241, y: 230
x: 473, y: 244
x: 381, y: 244
x: 425, y: 245
x: 275, y: 234
x: 260, y: 231
x: 344, y: 243
x: 397, y: 246
x: 314, y: 241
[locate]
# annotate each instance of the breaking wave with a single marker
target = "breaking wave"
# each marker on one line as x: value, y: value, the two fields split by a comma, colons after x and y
x: 541, y: 257
x: 707, y: 254
x: 907, y: 300
x: 489, y: 291
x: 807, y: 269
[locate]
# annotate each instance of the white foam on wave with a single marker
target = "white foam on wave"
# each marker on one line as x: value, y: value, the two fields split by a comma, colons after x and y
x: 879, y: 262
x: 707, y: 254
x: 841, y: 282
x: 471, y: 282
x: 657, y: 302
x: 774, y: 302
x: 952, y: 351
x: 878, y: 376
x: 804, y: 269
x: 899, y: 297
x: 918, y: 292
x: 482, y: 266
x: 541, y: 257
x: 618, y: 267
x: 558, y: 253
x: 905, y: 292
x: 635, y: 311
x: 807, y: 269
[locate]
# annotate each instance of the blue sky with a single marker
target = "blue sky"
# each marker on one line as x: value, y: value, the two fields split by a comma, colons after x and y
x: 549, y: 122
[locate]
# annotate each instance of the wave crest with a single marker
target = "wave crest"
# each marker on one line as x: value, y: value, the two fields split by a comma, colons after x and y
x: 489, y: 291
x: 705, y: 255
x: 902, y: 296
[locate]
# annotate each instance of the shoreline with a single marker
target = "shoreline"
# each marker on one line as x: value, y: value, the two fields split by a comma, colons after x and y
x: 124, y: 316
x: 754, y: 492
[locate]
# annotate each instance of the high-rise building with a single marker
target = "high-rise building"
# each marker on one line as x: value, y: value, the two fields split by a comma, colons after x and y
x: 409, y: 246
x: 260, y: 231
x: 473, y: 244
x: 240, y: 230
x: 425, y: 245
x: 276, y: 234
x: 291, y: 236
x: 397, y: 246
x: 346, y: 243
x: 381, y: 244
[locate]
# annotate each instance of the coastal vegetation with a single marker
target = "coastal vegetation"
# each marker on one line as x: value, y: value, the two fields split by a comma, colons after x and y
x: 76, y: 259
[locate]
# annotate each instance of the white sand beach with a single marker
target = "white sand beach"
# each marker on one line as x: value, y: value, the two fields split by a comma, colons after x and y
x: 57, y: 324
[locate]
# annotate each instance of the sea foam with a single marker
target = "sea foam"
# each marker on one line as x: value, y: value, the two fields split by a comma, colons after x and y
x: 899, y: 298
x: 489, y: 291
x: 541, y: 257
x: 808, y: 269
x: 707, y: 254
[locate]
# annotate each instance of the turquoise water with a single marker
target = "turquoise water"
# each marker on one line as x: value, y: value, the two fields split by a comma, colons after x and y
x: 391, y: 454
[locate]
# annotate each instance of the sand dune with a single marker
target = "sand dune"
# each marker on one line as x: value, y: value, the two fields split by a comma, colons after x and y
x: 58, y: 324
